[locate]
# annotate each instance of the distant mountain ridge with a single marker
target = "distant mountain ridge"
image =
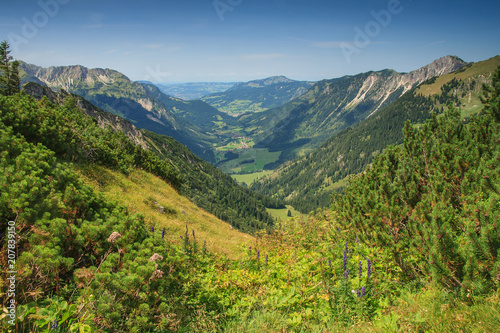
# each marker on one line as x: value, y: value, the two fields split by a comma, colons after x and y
x: 257, y: 95
x: 194, y: 90
x: 307, y: 113
x: 308, y: 182
x: 140, y: 103
x: 332, y: 105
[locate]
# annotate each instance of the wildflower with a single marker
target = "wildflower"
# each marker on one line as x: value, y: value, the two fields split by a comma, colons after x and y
x: 357, y: 239
x: 193, y: 233
x: 156, y: 257
x: 344, y: 262
x: 360, y: 270
x: 369, y: 268
x: 163, y: 233
x: 329, y: 263
x: 152, y: 229
x: 267, y: 259
x: 55, y: 323
x: 346, y: 274
x: 363, y: 291
x: 157, y: 275
x: 113, y: 237
x: 258, y: 255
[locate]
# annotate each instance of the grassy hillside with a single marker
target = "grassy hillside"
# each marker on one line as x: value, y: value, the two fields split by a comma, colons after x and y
x: 471, y: 72
x: 143, y: 193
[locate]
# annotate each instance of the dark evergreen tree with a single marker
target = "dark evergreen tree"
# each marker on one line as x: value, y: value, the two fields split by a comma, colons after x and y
x: 9, y: 71
x: 434, y: 201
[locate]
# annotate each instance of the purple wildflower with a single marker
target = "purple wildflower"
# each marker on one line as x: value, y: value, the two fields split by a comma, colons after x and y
x: 363, y: 291
x: 360, y: 270
x: 55, y: 323
x: 346, y: 274
x: 357, y: 239
x: 163, y: 233
x: 344, y: 262
x: 258, y: 255
x: 193, y: 234
x: 152, y: 229
x: 181, y: 237
x: 329, y: 263
x: 369, y: 268
x: 267, y: 260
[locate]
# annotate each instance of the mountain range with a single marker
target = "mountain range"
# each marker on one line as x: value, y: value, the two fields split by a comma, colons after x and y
x: 193, y: 90
x: 142, y: 104
x: 279, y: 119
x: 307, y: 182
x: 202, y: 183
x: 330, y: 106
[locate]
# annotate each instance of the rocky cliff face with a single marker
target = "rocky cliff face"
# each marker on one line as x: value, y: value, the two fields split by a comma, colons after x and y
x: 116, y: 93
x: 382, y: 87
x: 332, y: 105
x: 104, y: 119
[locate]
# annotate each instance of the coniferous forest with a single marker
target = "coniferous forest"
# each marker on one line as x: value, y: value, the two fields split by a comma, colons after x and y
x: 412, y: 243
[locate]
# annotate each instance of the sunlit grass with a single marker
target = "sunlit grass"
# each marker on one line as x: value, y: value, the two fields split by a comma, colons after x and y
x: 476, y: 69
x: 140, y: 190
x: 251, y: 177
x: 282, y: 214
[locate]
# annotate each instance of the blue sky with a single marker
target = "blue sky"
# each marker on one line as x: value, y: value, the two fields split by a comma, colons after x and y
x: 240, y: 40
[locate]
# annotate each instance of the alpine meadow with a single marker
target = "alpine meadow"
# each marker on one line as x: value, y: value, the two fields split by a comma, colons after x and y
x: 226, y: 166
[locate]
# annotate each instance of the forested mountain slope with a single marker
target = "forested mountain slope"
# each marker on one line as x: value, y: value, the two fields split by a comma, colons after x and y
x: 332, y: 105
x: 142, y: 104
x: 307, y: 183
